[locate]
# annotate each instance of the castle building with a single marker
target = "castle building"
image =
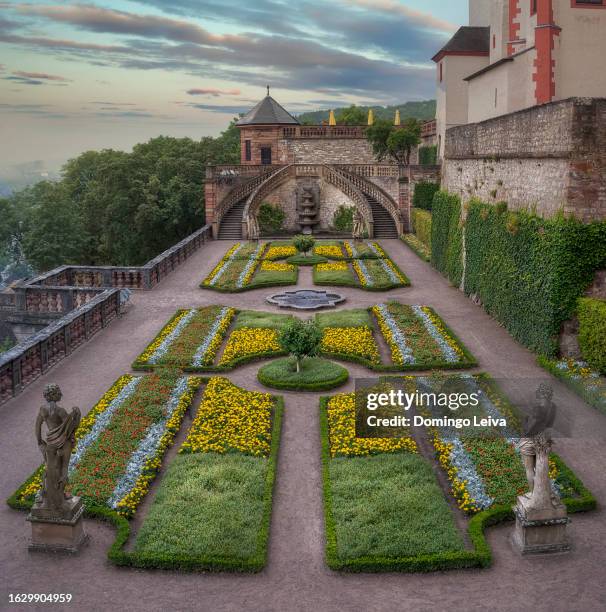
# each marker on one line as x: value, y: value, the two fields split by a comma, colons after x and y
x: 516, y: 54
x: 521, y: 106
x: 310, y: 172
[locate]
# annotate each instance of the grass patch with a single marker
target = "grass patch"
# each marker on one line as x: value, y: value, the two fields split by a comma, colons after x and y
x: 406, y: 515
x: 335, y: 277
x: 306, y: 260
x: 357, y: 317
x: 273, y: 278
x: 207, y: 505
x: 267, y: 320
x: 316, y: 375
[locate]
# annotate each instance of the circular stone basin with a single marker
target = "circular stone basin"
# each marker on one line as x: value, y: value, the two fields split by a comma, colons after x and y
x: 306, y: 299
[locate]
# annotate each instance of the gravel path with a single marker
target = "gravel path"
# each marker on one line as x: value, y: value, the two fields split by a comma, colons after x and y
x: 296, y: 577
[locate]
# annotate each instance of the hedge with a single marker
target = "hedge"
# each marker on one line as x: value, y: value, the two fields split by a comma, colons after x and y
x: 447, y: 236
x: 592, y: 332
x: 421, y: 223
x: 527, y: 271
x: 424, y: 194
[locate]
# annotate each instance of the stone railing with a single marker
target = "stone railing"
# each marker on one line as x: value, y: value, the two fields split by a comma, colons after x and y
x: 228, y: 171
x: 375, y: 192
x: 324, y: 131
x: 24, y: 363
x: 370, y: 170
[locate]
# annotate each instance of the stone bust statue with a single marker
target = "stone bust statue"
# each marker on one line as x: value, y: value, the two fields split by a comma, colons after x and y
x: 56, y: 449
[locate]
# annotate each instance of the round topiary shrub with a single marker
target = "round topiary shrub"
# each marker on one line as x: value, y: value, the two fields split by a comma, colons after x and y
x: 315, y: 374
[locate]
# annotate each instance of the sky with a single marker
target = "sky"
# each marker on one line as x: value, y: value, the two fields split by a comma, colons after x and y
x: 77, y: 76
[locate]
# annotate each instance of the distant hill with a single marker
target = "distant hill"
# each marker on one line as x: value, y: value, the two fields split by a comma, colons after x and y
x: 425, y: 109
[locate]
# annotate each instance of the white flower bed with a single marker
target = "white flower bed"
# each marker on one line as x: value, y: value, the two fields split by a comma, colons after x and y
x: 249, y: 264
x: 225, y: 265
x: 449, y: 353
x: 398, y: 336
x: 198, y: 358
x: 101, y: 422
x: 393, y: 277
x: 170, y: 338
x: 148, y: 447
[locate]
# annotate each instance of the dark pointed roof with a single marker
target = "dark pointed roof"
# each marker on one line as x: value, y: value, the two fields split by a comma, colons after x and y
x: 268, y: 111
x: 467, y: 40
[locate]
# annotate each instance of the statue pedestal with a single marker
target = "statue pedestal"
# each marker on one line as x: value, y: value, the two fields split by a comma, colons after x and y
x: 540, y: 530
x: 58, y: 531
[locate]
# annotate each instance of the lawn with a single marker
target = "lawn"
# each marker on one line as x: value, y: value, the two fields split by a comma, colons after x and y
x: 256, y: 318
x: 389, y: 505
x: 356, y: 317
x: 208, y: 505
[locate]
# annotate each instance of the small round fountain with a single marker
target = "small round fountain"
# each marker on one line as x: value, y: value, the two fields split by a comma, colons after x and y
x: 306, y: 299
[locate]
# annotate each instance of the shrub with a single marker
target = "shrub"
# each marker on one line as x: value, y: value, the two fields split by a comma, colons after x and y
x: 424, y: 194
x: 447, y: 236
x: 421, y: 223
x: 304, y: 243
x: 592, y: 332
x: 271, y: 218
x: 301, y: 339
x: 343, y: 219
x: 428, y: 155
x: 529, y: 271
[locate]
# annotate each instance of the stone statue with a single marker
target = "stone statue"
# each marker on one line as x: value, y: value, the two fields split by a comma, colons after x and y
x: 56, y: 450
x: 535, y: 447
x: 358, y: 225
x: 541, y: 517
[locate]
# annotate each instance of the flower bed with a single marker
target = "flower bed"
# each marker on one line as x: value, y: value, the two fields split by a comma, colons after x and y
x: 213, y: 507
x: 419, y: 247
x: 248, y: 343
x: 347, y: 341
x: 280, y: 252
x: 587, y: 383
x: 190, y: 339
x: 418, y: 338
x: 332, y: 251
x: 121, y: 442
x: 340, y: 410
x: 271, y: 266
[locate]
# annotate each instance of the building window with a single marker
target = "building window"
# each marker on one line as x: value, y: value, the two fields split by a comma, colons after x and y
x: 441, y: 72
x: 533, y: 7
x: 494, y: 41
x: 266, y: 156
x: 247, y: 150
x: 588, y: 4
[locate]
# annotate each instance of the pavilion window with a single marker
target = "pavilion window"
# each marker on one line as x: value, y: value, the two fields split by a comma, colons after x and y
x: 247, y: 150
x: 588, y: 2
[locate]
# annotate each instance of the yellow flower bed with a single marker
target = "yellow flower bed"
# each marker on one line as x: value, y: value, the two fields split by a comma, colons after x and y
x: 348, y: 249
x: 395, y: 270
x: 337, y: 266
x: 249, y: 341
x: 231, y: 419
x: 332, y: 251
x: 280, y: 252
x: 223, y: 259
x: 342, y: 432
x: 272, y: 266
x: 128, y: 504
x: 151, y: 348
x: 357, y: 341
x: 85, y: 426
x: 215, y: 343
x: 378, y: 249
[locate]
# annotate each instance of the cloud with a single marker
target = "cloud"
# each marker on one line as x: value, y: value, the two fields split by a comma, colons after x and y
x: 99, y: 19
x: 211, y: 91
x: 61, y: 44
x: 40, y: 75
x: 23, y: 80
x: 221, y: 108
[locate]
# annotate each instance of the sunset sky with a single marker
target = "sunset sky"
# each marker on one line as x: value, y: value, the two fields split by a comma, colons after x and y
x: 79, y: 76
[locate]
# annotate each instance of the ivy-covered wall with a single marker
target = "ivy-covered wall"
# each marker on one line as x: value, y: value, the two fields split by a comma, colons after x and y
x: 528, y: 271
x: 592, y: 332
x: 421, y: 223
x: 447, y: 236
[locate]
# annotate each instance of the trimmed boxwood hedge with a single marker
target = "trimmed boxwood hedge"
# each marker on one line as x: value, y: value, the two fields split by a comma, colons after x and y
x: 528, y: 271
x: 421, y: 223
x: 447, y: 236
x: 592, y: 332
x: 423, y: 194
x: 121, y: 557
x: 278, y: 375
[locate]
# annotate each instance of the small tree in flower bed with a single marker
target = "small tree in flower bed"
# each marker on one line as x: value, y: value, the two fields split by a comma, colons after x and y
x: 304, y: 243
x: 301, y: 339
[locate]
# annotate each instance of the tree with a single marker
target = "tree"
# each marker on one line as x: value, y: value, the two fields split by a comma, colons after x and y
x: 301, y: 339
x: 394, y: 142
x: 304, y: 243
x: 352, y: 115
